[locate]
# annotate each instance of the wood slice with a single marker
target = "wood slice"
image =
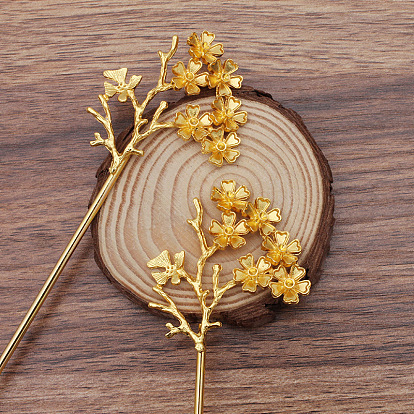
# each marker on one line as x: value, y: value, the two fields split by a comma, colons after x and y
x: 147, y: 209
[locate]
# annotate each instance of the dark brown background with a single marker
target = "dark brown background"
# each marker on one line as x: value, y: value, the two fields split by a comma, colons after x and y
x: 347, y: 68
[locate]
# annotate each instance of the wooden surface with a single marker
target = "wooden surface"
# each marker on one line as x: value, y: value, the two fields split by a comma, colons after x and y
x: 148, y: 208
x: 347, y: 69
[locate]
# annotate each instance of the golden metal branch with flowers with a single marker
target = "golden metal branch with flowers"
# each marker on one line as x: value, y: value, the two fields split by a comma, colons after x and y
x: 221, y: 145
x: 277, y: 270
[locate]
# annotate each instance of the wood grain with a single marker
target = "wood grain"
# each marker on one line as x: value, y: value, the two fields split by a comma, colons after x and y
x: 147, y: 209
x: 346, y: 68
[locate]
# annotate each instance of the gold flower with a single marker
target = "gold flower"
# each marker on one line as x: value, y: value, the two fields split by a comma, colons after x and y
x: 191, y: 125
x: 172, y: 271
x: 189, y: 78
x: 228, y: 233
x: 221, y: 147
x: 279, y: 251
x: 252, y: 275
x: 229, y: 198
x: 203, y: 49
x: 122, y: 88
x: 259, y: 218
x: 220, y: 77
x: 290, y: 285
x: 225, y: 113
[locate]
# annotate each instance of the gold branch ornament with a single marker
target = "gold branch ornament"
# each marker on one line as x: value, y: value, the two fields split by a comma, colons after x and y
x: 215, y: 131
x: 277, y: 270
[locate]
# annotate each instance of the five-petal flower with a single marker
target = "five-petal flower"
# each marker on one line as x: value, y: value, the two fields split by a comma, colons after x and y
x: 229, y: 198
x: 229, y: 233
x: 188, y: 78
x: 201, y: 48
x: 172, y: 271
x: 260, y: 218
x: 290, y: 285
x: 191, y: 125
x: 221, y: 147
x: 225, y: 113
x: 221, y: 79
x: 252, y: 275
x: 122, y: 88
x: 279, y: 250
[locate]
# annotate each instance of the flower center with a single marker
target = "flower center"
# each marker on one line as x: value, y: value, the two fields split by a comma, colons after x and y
x: 189, y: 76
x: 252, y: 271
x: 282, y: 248
x: 263, y: 217
x: 170, y: 269
x: 221, y: 146
x: 225, y: 77
x: 193, y: 121
x: 205, y: 46
x: 231, y: 195
x: 229, y: 113
x: 289, y: 283
x: 229, y: 230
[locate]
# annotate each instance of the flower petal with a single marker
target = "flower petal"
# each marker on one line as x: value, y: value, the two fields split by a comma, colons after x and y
x: 185, y: 133
x: 206, y: 120
x: 232, y: 139
x: 247, y: 261
x: 192, y: 110
x: 208, y: 146
x: 178, y: 83
x: 264, y: 279
x: 192, y: 89
x: 228, y: 218
x: 263, y: 264
x: 218, y: 104
x: 223, y: 90
x: 278, y: 289
x: 118, y: 75
x: 236, y: 242
x: 207, y: 37
x: 267, y: 229
x: 233, y: 103
x: 110, y: 90
x: 215, y: 228
x: 280, y: 273
x: 239, y: 275
x: 179, y: 69
x: 297, y: 272
x: 216, y: 50
x: 274, y: 215
x: 180, y: 120
x: 241, y: 227
x: 289, y: 259
x: 303, y: 287
x: 217, y: 134
x: 236, y: 81
x: 199, y: 134
x: 222, y: 241
x: 216, y: 194
x: 216, y: 158
x: 175, y: 279
x: 268, y: 244
x: 240, y: 117
x: 228, y: 185
x: 162, y: 260
x: 231, y: 155
x: 242, y: 192
x: 290, y: 296
x: 179, y: 259
x: 193, y: 40
x: 294, y: 247
x: 160, y: 278
x: 194, y: 65
x: 123, y: 96
x: 230, y: 66
x: 134, y: 81
x: 249, y: 285
x: 281, y: 237
x: 202, y: 79
x: 262, y: 203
